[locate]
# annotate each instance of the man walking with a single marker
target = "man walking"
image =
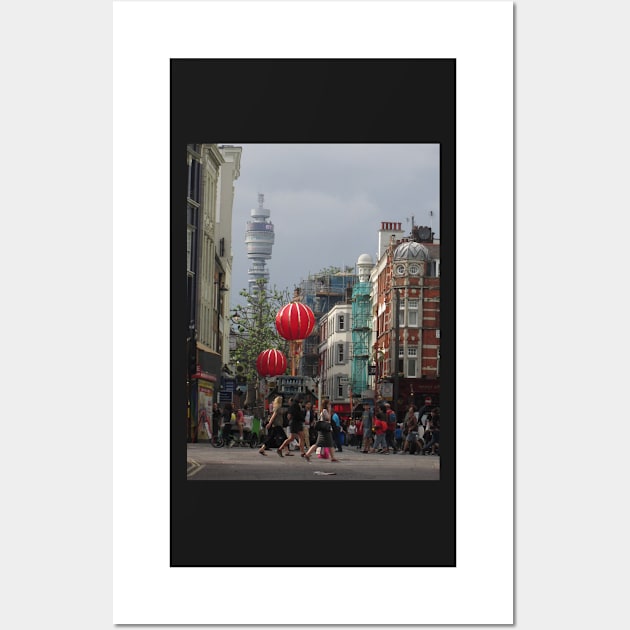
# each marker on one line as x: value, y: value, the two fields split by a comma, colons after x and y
x: 309, y: 421
x: 367, y: 430
x: 337, y: 430
x: 390, y: 418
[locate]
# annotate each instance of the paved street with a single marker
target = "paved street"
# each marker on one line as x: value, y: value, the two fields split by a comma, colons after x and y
x: 206, y: 463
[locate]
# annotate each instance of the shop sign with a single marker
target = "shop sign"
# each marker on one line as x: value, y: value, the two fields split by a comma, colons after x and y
x: 225, y: 397
x: 387, y: 390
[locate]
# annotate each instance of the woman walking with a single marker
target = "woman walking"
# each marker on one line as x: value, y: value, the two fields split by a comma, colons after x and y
x: 296, y: 427
x: 275, y: 432
x: 324, y: 434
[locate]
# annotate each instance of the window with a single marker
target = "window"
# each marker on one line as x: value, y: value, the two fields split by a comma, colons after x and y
x: 191, y: 215
x: 192, y: 264
x: 189, y: 250
x: 222, y: 247
x: 412, y: 362
x: 339, y: 387
x: 412, y: 315
x: 401, y: 365
x: 341, y: 355
x: 341, y: 323
x: 433, y: 268
x: 194, y: 170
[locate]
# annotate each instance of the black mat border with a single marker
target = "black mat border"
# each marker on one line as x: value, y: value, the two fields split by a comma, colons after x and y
x: 313, y: 101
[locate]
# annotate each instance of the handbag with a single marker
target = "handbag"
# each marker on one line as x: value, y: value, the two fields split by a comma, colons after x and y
x: 324, y: 452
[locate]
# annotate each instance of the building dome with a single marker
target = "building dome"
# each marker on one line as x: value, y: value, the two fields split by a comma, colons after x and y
x: 364, y: 267
x: 411, y: 251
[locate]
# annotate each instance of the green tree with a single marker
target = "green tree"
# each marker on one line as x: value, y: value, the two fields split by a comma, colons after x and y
x: 328, y: 271
x: 254, y: 330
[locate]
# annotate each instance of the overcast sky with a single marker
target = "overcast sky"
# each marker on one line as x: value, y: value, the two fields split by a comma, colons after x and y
x: 327, y: 202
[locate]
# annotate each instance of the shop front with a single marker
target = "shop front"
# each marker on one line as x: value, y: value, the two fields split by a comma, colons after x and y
x: 420, y: 392
x: 203, y: 385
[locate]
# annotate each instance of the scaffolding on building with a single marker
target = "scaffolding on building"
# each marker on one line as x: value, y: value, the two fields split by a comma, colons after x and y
x: 361, y: 333
x: 320, y: 292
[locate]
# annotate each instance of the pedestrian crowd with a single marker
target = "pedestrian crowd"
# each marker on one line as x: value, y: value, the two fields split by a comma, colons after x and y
x: 371, y: 431
x: 417, y: 433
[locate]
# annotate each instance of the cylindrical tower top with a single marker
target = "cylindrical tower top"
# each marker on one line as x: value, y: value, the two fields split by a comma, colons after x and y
x: 259, y: 238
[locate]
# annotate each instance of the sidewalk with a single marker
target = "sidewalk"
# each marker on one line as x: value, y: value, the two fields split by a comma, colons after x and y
x: 242, y: 463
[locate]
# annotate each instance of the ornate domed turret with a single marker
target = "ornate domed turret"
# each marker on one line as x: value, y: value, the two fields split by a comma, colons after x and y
x: 364, y: 267
x: 411, y: 251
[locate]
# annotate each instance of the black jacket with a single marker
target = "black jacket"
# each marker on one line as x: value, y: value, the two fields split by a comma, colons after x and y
x: 296, y: 412
x: 323, y: 426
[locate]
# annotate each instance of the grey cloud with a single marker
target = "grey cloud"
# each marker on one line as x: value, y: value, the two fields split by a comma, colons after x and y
x: 327, y: 202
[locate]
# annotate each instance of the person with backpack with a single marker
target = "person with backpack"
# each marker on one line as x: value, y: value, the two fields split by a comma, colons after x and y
x: 324, y: 434
x: 390, y: 418
x: 337, y: 430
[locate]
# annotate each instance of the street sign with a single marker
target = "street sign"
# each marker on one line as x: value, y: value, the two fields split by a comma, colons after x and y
x: 387, y: 391
x: 372, y: 370
x: 225, y: 397
x: 428, y: 400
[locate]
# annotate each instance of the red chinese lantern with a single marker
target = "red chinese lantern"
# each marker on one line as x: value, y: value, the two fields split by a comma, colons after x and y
x: 271, y: 363
x: 295, y: 321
